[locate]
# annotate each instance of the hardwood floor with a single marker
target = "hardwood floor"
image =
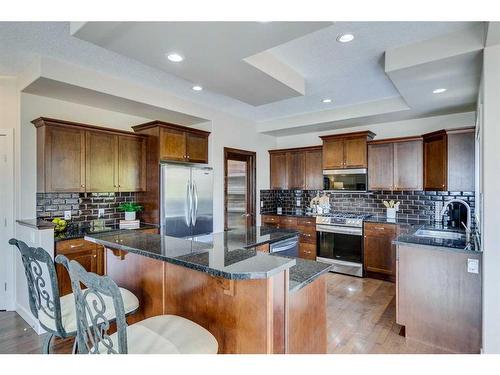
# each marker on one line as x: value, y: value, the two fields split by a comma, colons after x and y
x: 361, y: 317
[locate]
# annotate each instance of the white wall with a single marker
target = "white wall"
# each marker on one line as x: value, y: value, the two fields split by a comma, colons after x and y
x: 491, y: 194
x: 386, y: 130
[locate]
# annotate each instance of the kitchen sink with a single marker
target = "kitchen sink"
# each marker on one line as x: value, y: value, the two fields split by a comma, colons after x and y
x: 434, y: 233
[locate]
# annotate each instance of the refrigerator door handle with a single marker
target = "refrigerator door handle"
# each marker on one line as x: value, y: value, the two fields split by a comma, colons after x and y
x: 195, y: 205
x: 187, y: 207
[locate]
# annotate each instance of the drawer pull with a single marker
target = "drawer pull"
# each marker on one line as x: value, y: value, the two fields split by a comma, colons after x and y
x: 380, y: 228
x: 75, y: 246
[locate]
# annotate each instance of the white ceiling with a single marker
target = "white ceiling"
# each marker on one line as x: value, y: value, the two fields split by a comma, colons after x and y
x: 353, y: 75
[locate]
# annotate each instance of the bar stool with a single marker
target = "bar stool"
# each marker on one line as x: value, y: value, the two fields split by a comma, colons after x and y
x: 57, y: 315
x: 164, y: 334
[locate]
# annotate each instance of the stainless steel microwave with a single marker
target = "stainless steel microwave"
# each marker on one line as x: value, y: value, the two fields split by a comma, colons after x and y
x: 345, y: 179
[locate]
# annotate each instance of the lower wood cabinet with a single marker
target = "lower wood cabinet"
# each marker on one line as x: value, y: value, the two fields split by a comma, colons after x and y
x: 379, y: 252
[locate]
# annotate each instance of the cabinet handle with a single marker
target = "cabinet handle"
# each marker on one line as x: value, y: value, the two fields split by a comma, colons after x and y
x: 95, y: 256
x: 83, y: 185
x: 380, y: 228
x: 75, y: 246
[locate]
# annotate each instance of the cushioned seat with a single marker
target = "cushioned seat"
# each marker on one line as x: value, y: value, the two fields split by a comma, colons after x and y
x: 167, y: 334
x: 68, y: 311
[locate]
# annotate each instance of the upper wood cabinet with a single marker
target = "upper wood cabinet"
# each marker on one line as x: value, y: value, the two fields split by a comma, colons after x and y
x: 343, y: 151
x: 395, y: 164
x: 449, y: 160
x: 73, y: 157
x: 296, y: 168
x: 177, y: 143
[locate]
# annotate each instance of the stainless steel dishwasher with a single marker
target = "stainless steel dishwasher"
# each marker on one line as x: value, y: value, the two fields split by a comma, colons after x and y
x: 288, y: 247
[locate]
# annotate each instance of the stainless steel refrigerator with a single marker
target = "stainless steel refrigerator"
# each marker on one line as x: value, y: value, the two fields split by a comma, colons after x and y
x: 186, y: 200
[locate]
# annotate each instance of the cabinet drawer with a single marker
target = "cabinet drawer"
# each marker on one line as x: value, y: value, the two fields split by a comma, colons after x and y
x: 290, y: 222
x: 309, y: 237
x: 384, y: 230
x: 78, y: 244
x: 270, y: 219
x: 307, y: 222
x: 307, y: 251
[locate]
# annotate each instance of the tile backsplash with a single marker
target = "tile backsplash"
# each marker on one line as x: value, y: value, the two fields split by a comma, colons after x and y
x: 414, y: 204
x: 84, y: 206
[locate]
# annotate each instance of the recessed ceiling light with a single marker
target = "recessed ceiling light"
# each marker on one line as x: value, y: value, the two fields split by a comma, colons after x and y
x: 438, y: 91
x: 175, y: 57
x: 345, y: 38
x: 197, y: 88
x: 327, y: 100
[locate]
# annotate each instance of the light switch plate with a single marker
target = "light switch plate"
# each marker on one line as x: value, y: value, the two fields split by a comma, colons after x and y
x: 298, y: 202
x: 472, y: 265
x: 261, y: 204
x: 100, y: 213
x: 67, y: 215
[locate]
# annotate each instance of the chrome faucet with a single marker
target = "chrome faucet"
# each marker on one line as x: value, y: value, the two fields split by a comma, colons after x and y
x: 466, y: 226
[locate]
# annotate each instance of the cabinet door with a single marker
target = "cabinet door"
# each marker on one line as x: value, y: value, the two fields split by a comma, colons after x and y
x: 408, y: 165
x: 379, y: 252
x: 461, y: 161
x: 355, y: 153
x: 65, y: 159
x: 381, y: 166
x: 307, y: 251
x: 435, y: 163
x: 333, y: 154
x: 279, y: 174
x: 172, y: 145
x: 197, y: 148
x: 313, y: 170
x: 296, y: 169
x: 100, y: 165
x: 131, y: 163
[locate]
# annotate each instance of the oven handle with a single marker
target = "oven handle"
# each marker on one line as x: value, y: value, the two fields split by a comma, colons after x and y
x: 338, y: 229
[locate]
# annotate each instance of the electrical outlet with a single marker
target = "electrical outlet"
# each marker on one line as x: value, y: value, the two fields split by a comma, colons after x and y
x: 472, y: 265
x: 100, y: 213
x: 67, y: 215
x: 298, y: 202
x: 261, y: 204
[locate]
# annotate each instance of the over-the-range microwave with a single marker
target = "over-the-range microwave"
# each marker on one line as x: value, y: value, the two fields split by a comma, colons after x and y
x: 345, y: 179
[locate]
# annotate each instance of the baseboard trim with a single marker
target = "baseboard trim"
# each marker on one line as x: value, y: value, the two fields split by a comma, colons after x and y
x: 30, y: 319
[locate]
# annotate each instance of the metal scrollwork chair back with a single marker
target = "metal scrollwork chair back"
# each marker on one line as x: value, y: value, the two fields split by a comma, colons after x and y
x: 92, y: 312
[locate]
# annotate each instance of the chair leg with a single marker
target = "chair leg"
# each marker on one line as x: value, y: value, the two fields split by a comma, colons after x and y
x: 75, y: 346
x: 46, y: 343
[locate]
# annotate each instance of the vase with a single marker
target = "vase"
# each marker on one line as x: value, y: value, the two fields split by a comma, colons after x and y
x: 130, y: 215
x: 391, y: 213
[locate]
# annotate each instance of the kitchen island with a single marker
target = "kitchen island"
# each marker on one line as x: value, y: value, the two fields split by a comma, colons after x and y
x: 250, y: 300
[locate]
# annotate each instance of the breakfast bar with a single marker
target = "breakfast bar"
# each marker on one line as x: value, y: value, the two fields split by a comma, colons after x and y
x: 251, y: 300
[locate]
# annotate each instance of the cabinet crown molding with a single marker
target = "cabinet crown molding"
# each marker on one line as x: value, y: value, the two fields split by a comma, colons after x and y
x: 296, y: 149
x: 370, y: 135
x: 163, y: 124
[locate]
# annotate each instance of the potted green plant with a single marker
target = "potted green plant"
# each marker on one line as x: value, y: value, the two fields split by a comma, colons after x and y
x: 130, y: 209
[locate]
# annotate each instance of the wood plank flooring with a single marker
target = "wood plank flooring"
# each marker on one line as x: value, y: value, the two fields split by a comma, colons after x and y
x: 361, y: 317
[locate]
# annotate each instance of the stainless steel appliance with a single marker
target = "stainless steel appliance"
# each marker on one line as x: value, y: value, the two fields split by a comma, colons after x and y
x: 345, y: 179
x: 186, y: 200
x: 288, y: 247
x: 340, y: 241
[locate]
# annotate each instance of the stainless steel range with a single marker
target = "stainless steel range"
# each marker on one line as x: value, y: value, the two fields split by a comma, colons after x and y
x: 340, y: 241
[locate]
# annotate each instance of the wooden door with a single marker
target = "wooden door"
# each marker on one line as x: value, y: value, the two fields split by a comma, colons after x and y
x: 408, y: 165
x: 172, y: 144
x: 379, y: 252
x: 355, y: 153
x: 131, y: 163
x: 65, y: 159
x: 313, y: 170
x: 196, y: 148
x: 333, y: 154
x: 296, y: 169
x: 279, y: 174
x: 435, y: 163
x: 101, y: 162
x: 381, y: 166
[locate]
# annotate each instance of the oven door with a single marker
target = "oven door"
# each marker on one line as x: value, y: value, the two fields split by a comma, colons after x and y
x: 340, y: 243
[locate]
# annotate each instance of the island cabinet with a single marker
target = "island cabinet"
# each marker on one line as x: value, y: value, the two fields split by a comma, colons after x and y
x: 449, y: 160
x: 379, y: 253
x: 74, y: 157
x: 395, y: 164
x: 296, y: 168
x: 344, y: 151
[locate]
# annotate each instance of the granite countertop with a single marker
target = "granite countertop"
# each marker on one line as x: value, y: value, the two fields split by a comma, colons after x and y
x: 78, y: 231
x: 305, y: 272
x: 397, y: 220
x: 225, y: 254
x: 289, y: 214
x: 408, y: 237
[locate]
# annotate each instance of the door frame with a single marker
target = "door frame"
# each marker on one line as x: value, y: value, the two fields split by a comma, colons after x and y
x: 244, y: 155
x: 7, y: 222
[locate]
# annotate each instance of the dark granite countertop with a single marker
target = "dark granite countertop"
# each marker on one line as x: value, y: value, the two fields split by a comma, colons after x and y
x: 288, y: 214
x: 305, y: 272
x: 39, y: 224
x: 397, y: 220
x: 408, y: 237
x: 225, y: 254
x: 77, y: 231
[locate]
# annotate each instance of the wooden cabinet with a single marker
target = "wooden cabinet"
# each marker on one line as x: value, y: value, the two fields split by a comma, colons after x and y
x: 379, y: 252
x: 296, y: 168
x: 172, y: 144
x: 395, y: 164
x: 306, y: 226
x: 344, y: 151
x: 197, y: 148
x: 76, y: 157
x: 449, y: 160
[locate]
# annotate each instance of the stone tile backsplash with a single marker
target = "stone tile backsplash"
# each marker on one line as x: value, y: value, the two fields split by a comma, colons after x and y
x: 414, y: 204
x: 84, y: 206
